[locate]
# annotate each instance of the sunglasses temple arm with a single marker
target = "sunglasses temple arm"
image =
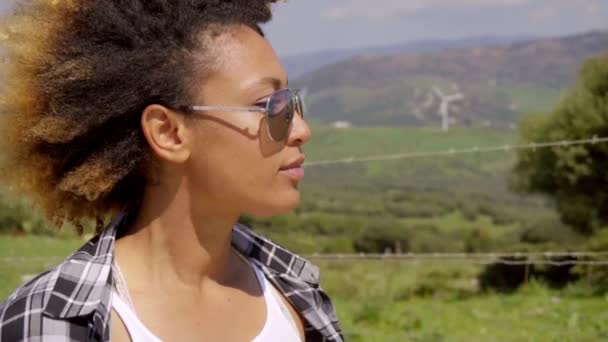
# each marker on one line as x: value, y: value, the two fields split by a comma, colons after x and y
x: 299, y: 104
x: 228, y: 109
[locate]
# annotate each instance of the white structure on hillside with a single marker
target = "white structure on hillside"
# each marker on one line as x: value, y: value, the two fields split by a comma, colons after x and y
x: 428, y: 101
x: 342, y: 124
x: 444, y: 107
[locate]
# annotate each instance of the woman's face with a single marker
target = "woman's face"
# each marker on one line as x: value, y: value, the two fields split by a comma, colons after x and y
x: 235, y: 165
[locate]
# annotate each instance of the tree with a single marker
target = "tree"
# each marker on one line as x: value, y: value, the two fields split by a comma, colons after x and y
x: 576, y: 177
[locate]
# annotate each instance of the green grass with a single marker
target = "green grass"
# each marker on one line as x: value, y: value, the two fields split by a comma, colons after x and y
x: 37, y: 246
x: 474, y: 171
x: 519, y: 317
x: 398, y: 301
x: 331, y: 143
x: 22, y: 256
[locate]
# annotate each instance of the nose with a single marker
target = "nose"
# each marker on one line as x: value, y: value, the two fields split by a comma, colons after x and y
x: 299, y: 133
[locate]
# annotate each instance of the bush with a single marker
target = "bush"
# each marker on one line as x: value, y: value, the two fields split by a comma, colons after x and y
x: 480, y: 240
x: 505, y: 278
x: 427, y: 238
x: 498, y: 214
x: 16, y: 217
x: 549, y: 229
x: 382, y: 236
x: 418, y: 210
x: 469, y: 211
x: 558, y: 276
x: 343, y: 245
x: 595, y: 277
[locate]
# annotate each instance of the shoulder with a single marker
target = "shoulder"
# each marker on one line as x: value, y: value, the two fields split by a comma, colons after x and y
x: 40, y: 284
x: 63, y: 299
x: 43, y: 284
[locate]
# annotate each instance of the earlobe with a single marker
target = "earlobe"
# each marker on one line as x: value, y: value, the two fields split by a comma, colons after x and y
x: 166, y: 133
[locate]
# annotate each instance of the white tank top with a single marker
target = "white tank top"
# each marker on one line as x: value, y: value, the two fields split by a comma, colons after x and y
x: 279, y: 326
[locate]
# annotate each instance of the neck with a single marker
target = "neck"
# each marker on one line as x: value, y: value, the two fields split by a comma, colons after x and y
x: 172, y: 244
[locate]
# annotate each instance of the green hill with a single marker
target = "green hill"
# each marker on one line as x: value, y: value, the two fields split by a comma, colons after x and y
x: 498, y: 83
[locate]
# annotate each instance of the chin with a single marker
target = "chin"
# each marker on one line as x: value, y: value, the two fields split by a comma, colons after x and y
x: 277, y: 205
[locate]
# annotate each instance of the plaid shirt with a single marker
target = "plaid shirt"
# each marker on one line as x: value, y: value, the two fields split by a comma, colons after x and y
x: 72, y: 301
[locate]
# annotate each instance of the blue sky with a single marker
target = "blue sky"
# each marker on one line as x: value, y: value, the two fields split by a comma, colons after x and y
x: 309, y: 25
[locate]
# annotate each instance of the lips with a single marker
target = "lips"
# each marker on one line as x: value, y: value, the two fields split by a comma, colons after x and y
x: 294, y: 169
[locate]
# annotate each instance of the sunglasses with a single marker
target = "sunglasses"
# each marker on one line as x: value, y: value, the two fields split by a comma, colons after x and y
x: 280, y: 109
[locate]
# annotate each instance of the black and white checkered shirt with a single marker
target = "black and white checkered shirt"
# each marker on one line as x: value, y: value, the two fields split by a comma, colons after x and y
x: 72, y: 301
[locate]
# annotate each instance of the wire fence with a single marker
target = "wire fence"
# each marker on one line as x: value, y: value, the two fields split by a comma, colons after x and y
x: 455, y: 151
x: 552, y: 258
x: 511, y: 259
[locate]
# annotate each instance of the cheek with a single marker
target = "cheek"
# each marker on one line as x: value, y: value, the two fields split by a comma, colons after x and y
x: 232, y: 162
x: 234, y: 167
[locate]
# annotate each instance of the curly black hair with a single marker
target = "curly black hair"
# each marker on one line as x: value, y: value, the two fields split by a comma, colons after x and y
x: 77, y: 76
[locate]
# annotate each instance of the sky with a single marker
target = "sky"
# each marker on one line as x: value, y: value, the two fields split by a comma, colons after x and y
x: 301, y: 26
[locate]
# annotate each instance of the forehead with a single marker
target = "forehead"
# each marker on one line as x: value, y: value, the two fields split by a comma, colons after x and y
x: 242, y: 57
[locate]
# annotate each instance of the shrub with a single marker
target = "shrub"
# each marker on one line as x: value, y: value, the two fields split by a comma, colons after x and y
x: 383, y: 235
x: 501, y: 277
x: 593, y: 276
x: 548, y: 229
x: 479, y: 239
x: 338, y: 245
x: 428, y: 239
x: 558, y: 276
x: 16, y: 217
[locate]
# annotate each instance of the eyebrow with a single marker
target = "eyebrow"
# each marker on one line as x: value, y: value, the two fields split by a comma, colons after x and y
x: 273, y: 81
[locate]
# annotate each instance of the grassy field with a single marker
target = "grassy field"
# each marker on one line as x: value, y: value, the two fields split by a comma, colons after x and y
x: 399, y: 301
x: 440, y: 302
x: 479, y: 171
x: 330, y: 143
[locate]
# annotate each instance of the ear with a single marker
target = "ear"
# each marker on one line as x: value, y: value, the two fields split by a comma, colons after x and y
x: 166, y: 133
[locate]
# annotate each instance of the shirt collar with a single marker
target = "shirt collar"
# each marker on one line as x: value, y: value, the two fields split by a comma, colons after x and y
x: 274, y: 257
x: 82, y: 283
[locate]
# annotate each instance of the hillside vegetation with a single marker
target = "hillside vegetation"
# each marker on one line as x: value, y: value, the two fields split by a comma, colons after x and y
x: 498, y: 83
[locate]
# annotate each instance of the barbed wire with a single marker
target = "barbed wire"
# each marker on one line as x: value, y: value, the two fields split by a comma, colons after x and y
x: 505, y: 262
x: 454, y: 151
x: 552, y: 258
x: 468, y: 255
x: 510, y: 259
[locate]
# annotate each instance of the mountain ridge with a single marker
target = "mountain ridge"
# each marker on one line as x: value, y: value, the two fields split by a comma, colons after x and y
x: 300, y: 64
x: 498, y: 83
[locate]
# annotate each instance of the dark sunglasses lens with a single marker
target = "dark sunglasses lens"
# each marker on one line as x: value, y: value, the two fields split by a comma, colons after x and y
x: 280, y: 114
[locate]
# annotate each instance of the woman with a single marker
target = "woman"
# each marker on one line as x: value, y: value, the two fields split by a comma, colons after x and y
x: 173, y: 116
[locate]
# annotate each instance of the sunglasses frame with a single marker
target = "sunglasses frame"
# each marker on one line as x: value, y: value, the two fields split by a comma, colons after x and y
x: 298, y: 108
